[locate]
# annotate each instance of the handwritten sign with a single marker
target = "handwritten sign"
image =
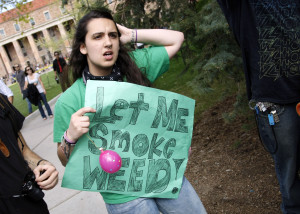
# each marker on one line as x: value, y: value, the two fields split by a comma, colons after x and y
x: 150, y: 129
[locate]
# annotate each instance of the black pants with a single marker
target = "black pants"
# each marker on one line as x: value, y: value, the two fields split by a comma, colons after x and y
x: 64, y: 79
x: 23, y: 205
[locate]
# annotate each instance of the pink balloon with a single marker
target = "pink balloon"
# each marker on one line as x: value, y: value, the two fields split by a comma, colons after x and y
x: 110, y: 161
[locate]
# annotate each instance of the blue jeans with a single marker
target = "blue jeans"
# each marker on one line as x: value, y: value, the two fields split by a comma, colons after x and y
x: 187, y: 202
x: 43, y: 96
x: 29, y: 105
x: 283, y: 142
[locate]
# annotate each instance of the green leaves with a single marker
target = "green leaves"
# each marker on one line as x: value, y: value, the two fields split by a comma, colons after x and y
x: 10, y: 4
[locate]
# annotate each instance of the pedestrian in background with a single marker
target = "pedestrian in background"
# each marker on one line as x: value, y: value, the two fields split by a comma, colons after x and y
x: 5, y: 90
x: 61, y: 70
x: 35, y: 80
x: 20, y: 76
x: 268, y: 34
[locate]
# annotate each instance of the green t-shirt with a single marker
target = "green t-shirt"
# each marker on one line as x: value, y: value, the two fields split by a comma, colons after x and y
x: 153, y: 61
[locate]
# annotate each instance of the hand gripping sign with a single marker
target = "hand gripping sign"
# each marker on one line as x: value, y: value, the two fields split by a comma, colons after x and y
x: 150, y: 129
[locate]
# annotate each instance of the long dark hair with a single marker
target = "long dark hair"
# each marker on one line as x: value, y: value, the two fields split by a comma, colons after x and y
x: 25, y: 72
x: 78, y: 61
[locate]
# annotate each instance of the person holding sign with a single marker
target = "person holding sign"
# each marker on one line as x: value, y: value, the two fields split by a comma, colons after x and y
x: 98, y: 53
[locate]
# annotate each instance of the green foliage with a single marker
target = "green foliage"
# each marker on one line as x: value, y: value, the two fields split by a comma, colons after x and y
x: 81, y: 7
x: 8, y: 4
x: 209, y: 48
x: 174, y: 81
x: 64, y: 2
x: 215, y: 53
x: 53, y: 43
x: 21, y: 8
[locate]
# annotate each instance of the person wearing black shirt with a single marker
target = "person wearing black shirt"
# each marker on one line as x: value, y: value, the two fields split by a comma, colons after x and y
x: 21, y: 169
x: 268, y: 33
x: 60, y: 68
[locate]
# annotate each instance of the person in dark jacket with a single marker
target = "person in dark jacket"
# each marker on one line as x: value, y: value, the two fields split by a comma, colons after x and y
x: 60, y: 68
x: 268, y: 35
x: 23, y: 172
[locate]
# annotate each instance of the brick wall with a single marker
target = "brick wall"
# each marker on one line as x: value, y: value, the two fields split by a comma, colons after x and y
x: 38, y: 15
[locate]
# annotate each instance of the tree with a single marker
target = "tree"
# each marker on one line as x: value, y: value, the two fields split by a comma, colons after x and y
x: 208, y: 39
x: 20, y: 7
x: 9, y: 4
x: 209, y: 48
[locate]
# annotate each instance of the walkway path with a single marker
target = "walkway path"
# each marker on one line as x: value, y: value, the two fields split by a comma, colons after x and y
x: 39, y: 136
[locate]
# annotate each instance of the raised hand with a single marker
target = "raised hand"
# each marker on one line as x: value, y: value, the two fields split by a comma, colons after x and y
x: 79, y: 123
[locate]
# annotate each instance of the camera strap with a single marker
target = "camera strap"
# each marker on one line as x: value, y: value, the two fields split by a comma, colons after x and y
x: 9, y: 112
x: 12, y: 196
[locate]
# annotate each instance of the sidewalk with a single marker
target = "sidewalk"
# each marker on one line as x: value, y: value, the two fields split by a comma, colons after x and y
x: 39, y: 137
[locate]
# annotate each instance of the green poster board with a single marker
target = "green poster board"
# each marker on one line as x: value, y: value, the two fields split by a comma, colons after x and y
x: 150, y: 129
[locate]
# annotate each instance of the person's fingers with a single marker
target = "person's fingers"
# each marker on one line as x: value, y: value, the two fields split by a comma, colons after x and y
x: 37, y: 171
x: 50, y: 182
x: 84, y: 119
x: 79, y: 123
x: 85, y: 130
x: 48, y: 176
x: 49, y: 186
x: 43, y: 171
x: 84, y: 110
x: 85, y: 125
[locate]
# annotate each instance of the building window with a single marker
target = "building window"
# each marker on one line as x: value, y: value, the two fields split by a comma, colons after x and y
x: 32, y: 22
x: 47, y: 15
x: 63, y: 10
x: 17, y: 27
x: 2, y: 32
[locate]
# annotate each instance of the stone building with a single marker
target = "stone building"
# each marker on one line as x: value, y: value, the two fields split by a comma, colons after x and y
x: 46, y: 20
x: 19, y: 40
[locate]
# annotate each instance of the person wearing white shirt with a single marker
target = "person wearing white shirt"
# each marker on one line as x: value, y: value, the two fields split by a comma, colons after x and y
x: 4, y: 89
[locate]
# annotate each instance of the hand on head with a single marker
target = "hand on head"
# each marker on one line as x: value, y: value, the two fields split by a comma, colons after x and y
x: 126, y: 34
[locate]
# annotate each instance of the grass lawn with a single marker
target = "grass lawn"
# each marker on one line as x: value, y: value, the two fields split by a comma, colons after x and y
x: 174, y: 81
x: 52, y: 89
